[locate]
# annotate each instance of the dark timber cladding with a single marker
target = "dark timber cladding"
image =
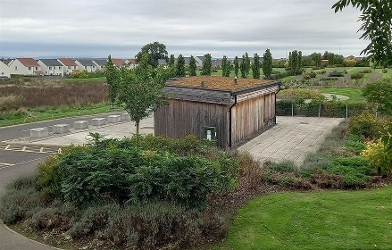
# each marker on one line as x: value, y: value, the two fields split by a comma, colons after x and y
x: 239, y: 111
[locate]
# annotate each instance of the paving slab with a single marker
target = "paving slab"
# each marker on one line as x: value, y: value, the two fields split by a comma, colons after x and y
x: 293, y: 139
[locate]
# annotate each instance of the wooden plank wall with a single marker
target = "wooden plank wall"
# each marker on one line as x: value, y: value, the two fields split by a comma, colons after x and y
x: 251, y: 117
x: 180, y: 118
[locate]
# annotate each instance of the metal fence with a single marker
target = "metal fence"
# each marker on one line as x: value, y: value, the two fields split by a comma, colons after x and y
x: 322, y: 110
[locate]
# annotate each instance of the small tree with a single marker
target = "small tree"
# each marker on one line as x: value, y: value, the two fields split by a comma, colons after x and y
x: 380, y: 93
x: 236, y: 66
x: 180, y: 67
x: 140, y: 91
x: 256, y: 66
x: 267, y: 63
x: 192, y: 66
x: 112, y: 77
x: 207, y: 65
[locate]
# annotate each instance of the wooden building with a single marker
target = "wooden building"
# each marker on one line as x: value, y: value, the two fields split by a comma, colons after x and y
x: 232, y: 111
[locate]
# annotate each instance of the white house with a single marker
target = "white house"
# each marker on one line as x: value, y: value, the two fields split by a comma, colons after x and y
x: 4, y: 70
x: 69, y: 65
x: 199, y: 61
x: 131, y: 63
x: 25, y: 66
x: 51, y: 67
x: 100, y: 63
x: 86, y: 65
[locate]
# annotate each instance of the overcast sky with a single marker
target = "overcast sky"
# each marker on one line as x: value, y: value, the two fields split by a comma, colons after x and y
x: 97, y: 28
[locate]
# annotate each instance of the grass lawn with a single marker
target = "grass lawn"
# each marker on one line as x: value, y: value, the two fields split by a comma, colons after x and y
x: 355, y: 95
x: 324, y: 220
x: 75, y: 80
x: 41, y: 114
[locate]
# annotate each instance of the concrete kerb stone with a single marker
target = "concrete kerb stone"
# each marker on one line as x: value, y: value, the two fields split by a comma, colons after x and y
x: 61, y: 128
x: 81, y: 124
x: 114, y: 118
x: 99, y: 121
x: 125, y: 117
x: 39, y: 132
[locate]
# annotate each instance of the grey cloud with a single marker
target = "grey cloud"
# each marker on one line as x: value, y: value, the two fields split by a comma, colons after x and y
x: 228, y: 27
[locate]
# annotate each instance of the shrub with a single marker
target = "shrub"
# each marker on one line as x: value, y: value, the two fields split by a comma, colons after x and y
x: 19, y: 200
x: 284, y: 166
x: 355, y: 144
x: 355, y: 171
x: 366, y: 71
x: 123, y: 170
x: 365, y: 125
x: 357, y: 75
x: 376, y: 154
x: 78, y: 74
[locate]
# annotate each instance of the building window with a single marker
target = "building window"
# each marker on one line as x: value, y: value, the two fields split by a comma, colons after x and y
x: 36, y: 68
x: 29, y: 68
x: 50, y: 68
x: 69, y: 67
x: 16, y: 68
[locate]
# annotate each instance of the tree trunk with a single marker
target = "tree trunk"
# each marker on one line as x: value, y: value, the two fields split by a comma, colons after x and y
x: 137, y: 127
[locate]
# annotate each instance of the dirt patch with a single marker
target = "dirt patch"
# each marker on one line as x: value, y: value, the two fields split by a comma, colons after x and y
x: 217, y: 82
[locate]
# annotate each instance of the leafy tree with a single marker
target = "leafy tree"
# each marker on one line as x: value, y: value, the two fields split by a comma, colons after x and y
x: 112, y: 74
x: 331, y: 59
x: 140, y: 90
x: 207, y: 65
x: 180, y: 67
x: 155, y: 51
x: 317, y: 59
x: 267, y: 63
x: 376, y: 25
x: 236, y: 66
x: 225, y: 67
x: 172, y: 60
x: 256, y: 66
x: 192, y: 66
x: 380, y: 93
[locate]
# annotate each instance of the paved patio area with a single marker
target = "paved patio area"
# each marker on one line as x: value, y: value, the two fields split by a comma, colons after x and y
x: 291, y: 139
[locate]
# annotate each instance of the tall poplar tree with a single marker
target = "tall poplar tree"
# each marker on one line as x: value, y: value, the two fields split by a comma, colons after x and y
x: 180, y: 66
x: 112, y: 78
x: 267, y: 63
x: 172, y: 60
x: 256, y: 66
x: 192, y: 66
x: 225, y: 67
x: 207, y: 65
x: 236, y: 66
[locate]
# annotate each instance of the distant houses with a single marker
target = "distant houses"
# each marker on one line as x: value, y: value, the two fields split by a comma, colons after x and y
x: 57, y: 66
x: 51, y: 67
x: 4, y: 70
x: 25, y: 66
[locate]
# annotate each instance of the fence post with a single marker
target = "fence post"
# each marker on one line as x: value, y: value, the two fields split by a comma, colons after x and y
x: 292, y: 109
x: 346, y: 111
x: 319, y: 114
